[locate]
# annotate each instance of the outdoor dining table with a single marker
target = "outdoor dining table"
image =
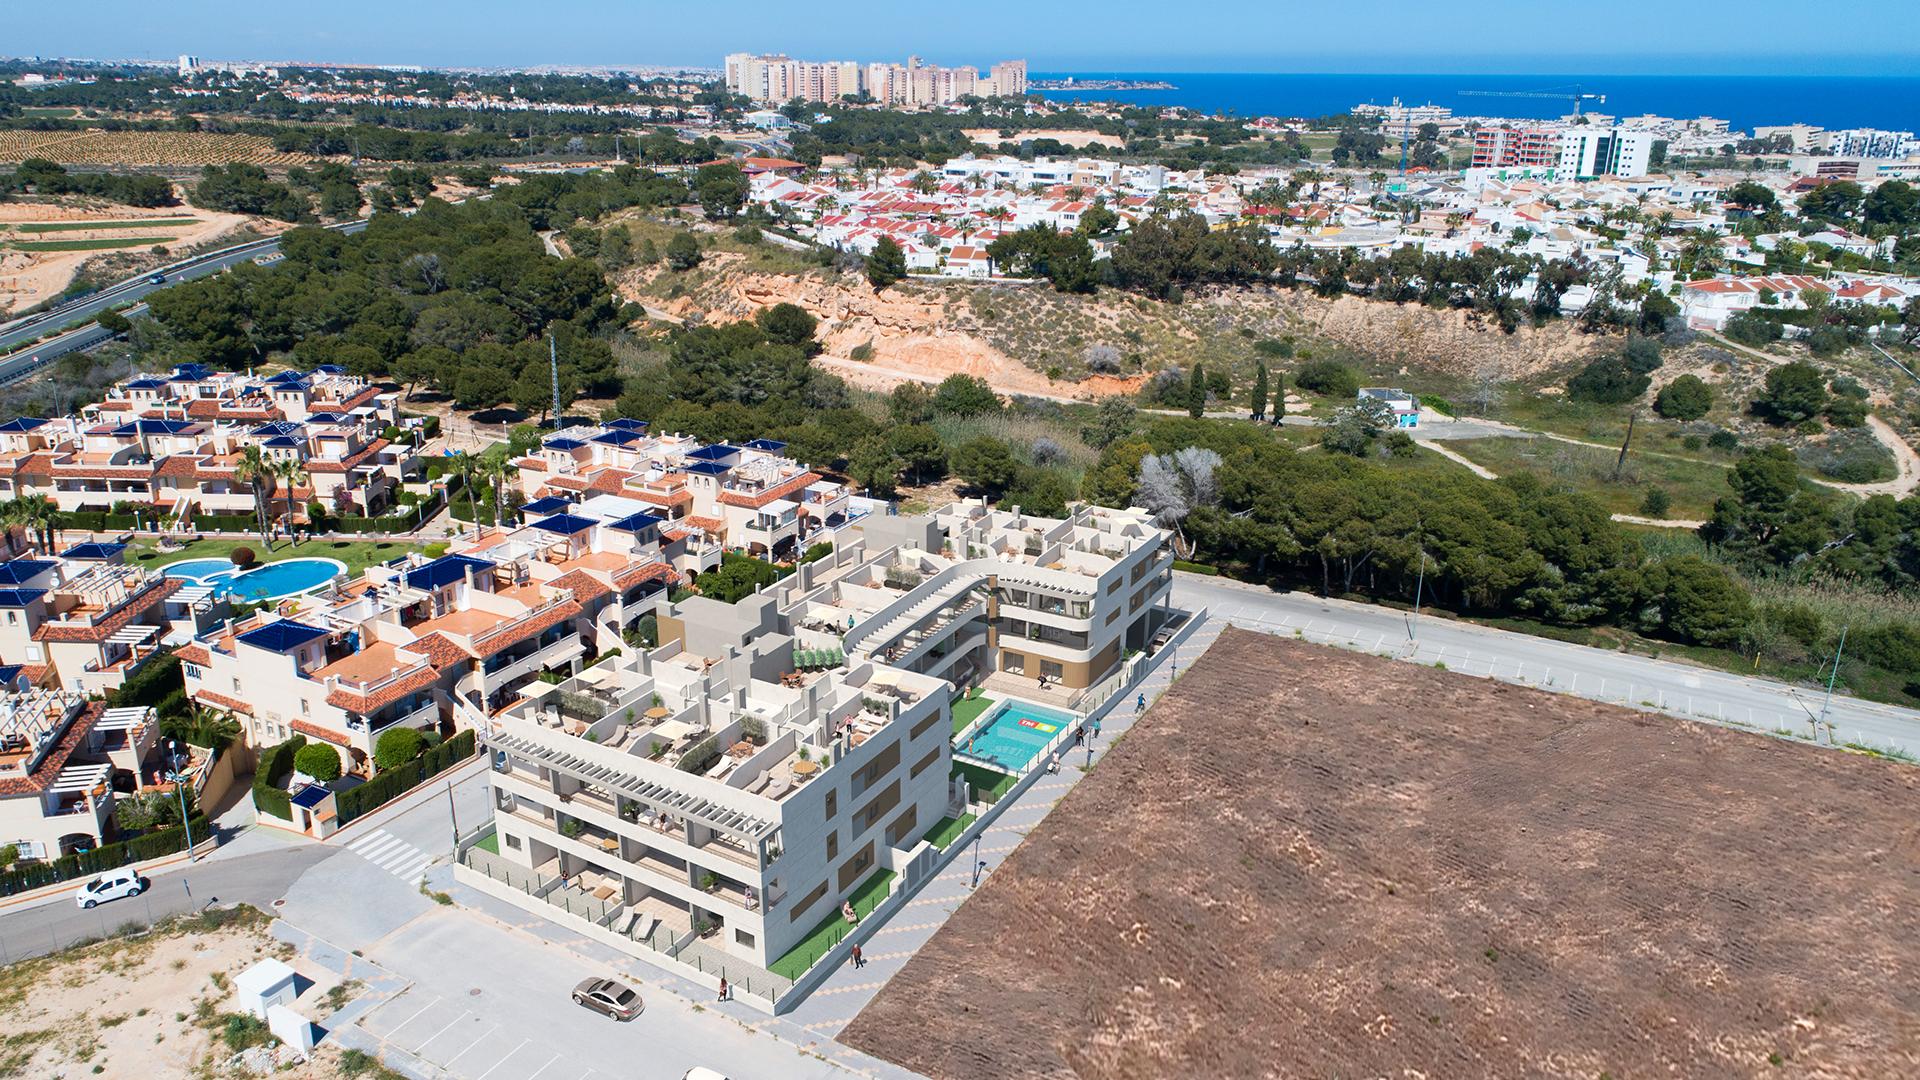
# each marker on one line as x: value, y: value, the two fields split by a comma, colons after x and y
x: 805, y: 768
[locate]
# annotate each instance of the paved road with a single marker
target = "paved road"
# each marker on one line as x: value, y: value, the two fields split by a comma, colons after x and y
x: 257, y: 879
x: 126, y: 292
x: 1603, y: 675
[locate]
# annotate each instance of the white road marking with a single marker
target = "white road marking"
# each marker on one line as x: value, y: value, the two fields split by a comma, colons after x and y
x: 476, y: 1042
x: 544, y: 1068
x: 463, y: 1015
x: 504, y: 1057
x: 396, y: 1028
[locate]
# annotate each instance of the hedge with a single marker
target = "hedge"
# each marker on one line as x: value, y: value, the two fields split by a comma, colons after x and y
x: 150, y: 685
x: 106, y: 857
x: 275, y: 761
x: 389, y: 784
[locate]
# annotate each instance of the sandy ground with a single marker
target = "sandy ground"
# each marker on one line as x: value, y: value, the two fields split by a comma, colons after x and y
x: 141, y: 1007
x: 1305, y: 862
x: 1076, y: 139
x: 29, y: 277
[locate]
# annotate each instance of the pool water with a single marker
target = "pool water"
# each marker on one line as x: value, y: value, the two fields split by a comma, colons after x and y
x: 1014, y: 734
x: 288, y: 577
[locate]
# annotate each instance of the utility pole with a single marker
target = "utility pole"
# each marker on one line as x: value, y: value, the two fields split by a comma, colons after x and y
x: 553, y: 359
x: 1828, y: 700
x: 1420, y: 582
x: 1621, y: 462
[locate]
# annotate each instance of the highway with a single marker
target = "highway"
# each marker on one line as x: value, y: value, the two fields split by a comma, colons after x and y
x: 128, y: 292
x: 1695, y: 693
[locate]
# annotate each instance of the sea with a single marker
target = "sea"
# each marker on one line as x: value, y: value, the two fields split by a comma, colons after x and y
x: 1839, y: 101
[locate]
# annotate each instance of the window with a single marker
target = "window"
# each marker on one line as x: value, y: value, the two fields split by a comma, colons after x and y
x: 1051, y: 670
x: 1114, y: 585
x: 807, y: 901
x: 13, y: 617
x: 932, y: 756
x: 306, y: 708
x: 741, y: 937
x: 1013, y: 662
x: 236, y: 685
x: 920, y: 728
x: 833, y: 803
x: 513, y: 842
x: 833, y: 843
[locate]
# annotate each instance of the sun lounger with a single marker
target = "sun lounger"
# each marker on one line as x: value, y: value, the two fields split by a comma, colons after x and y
x: 720, y: 768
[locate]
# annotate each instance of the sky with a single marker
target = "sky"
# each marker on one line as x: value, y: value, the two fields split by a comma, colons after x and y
x: 1871, y: 37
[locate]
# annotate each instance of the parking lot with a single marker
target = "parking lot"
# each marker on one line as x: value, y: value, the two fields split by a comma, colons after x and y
x: 489, y: 1003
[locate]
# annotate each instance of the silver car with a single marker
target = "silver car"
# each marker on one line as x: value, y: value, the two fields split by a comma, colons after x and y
x: 608, y: 997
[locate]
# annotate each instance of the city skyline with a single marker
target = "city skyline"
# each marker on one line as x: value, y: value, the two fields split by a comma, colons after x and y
x: 1501, y: 37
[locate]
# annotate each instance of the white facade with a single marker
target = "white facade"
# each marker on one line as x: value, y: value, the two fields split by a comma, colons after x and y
x: 1615, y: 151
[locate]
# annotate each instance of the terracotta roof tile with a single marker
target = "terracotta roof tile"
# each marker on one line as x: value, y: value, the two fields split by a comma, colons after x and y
x: 439, y: 649
x: 222, y: 700
x: 368, y: 704
x: 777, y: 491
x: 584, y: 586
x: 158, y: 590
x: 531, y: 628
x: 350, y: 461
x: 194, y: 654
x: 634, y: 575
x: 56, y: 760
x: 315, y: 731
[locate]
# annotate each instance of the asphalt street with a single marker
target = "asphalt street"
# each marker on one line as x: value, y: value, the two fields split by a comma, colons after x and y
x: 127, y: 292
x: 256, y: 879
x: 1679, y: 689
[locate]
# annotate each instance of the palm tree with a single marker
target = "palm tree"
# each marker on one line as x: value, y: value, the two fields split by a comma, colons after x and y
x: 292, y: 473
x: 493, y: 471
x: 35, y: 513
x: 255, y: 470
x: 464, y: 467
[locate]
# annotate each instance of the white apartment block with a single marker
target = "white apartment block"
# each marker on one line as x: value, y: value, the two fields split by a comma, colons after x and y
x: 63, y: 759
x: 1871, y: 143
x: 1613, y: 151
x: 171, y: 442
x: 777, y: 79
x: 718, y: 797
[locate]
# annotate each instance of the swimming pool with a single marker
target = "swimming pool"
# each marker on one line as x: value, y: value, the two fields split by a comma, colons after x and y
x: 270, y: 581
x: 1013, y: 734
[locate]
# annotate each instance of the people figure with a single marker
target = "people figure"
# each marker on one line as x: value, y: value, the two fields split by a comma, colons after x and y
x: 1080, y: 736
x: 858, y: 960
x: 1096, y: 727
x: 723, y: 988
x: 846, y: 911
x: 1053, y: 763
x: 1140, y: 703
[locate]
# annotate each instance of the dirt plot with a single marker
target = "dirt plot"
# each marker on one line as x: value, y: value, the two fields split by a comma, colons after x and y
x: 1309, y: 863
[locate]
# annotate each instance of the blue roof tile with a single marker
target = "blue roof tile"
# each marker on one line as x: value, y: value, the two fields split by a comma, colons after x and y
x: 282, y: 636
x: 445, y: 570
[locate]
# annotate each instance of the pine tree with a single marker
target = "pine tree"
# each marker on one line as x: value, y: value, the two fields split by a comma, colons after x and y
x: 1260, y: 392
x: 1196, y: 393
x: 1279, y: 398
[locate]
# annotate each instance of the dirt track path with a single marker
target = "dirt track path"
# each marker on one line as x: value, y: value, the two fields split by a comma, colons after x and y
x: 1488, y: 474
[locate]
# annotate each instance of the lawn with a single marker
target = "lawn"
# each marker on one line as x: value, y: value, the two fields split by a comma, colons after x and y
x: 864, y: 897
x: 968, y: 709
x: 81, y: 226
x: 489, y: 843
x: 988, y: 784
x: 90, y: 245
x: 356, y: 554
x: 949, y: 830
x: 1691, y: 485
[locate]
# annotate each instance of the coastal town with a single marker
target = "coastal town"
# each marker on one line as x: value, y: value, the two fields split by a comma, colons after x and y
x: 904, y: 568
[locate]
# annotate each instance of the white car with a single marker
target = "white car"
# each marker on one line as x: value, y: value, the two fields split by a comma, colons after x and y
x: 701, y: 1072
x: 111, y: 885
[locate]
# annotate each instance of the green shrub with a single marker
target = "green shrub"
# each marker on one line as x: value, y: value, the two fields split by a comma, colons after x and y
x: 318, y: 760
x: 1329, y: 378
x: 391, y: 783
x: 276, y: 761
x: 397, y: 747
x: 1685, y: 398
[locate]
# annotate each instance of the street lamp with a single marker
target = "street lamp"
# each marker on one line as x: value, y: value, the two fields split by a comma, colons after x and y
x: 176, y: 754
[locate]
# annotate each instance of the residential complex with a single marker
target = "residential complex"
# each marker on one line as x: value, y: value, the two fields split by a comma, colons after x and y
x: 63, y: 761
x: 172, y: 444
x: 719, y: 796
x: 1576, y: 151
x: 777, y: 79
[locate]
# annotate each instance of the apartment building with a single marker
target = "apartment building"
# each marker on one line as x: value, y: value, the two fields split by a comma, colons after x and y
x: 749, y: 496
x: 86, y: 621
x: 63, y: 758
x: 172, y: 443
x: 717, y: 797
x: 777, y: 78
x: 1515, y: 148
x: 1610, y: 151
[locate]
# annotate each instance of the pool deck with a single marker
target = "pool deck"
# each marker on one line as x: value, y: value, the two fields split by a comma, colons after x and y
x: 840, y: 998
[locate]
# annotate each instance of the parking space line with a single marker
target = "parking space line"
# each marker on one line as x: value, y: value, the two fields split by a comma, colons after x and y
x: 503, y: 1058
x: 463, y: 1015
x: 396, y: 1028
x: 469, y: 1048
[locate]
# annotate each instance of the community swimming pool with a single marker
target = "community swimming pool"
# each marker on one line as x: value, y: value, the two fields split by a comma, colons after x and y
x: 288, y: 577
x: 1013, y: 734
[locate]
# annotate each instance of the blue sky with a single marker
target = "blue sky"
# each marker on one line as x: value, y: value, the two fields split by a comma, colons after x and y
x: 1875, y: 37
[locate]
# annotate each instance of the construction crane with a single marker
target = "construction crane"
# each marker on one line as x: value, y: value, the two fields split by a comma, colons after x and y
x: 1574, y: 95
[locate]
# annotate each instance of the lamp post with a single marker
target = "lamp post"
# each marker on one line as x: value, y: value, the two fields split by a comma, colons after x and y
x: 175, y: 754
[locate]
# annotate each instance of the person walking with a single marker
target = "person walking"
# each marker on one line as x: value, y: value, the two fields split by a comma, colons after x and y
x: 723, y: 988
x: 1080, y: 736
x: 859, y: 961
x: 1140, y: 703
x: 1096, y: 728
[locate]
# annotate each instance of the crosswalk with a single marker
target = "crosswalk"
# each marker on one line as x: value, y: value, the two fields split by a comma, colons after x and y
x: 392, y: 854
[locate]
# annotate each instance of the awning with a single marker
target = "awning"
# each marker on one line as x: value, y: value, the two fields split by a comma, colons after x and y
x: 80, y: 779
x: 132, y: 635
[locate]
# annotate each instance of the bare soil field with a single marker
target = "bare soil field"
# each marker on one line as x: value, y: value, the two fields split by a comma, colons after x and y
x: 36, y: 264
x: 1310, y: 863
x: 1079, y: 140
x: 156, y: 1007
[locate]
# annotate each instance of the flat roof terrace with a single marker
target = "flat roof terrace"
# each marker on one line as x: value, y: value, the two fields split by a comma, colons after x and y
x: 1309, y: 862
